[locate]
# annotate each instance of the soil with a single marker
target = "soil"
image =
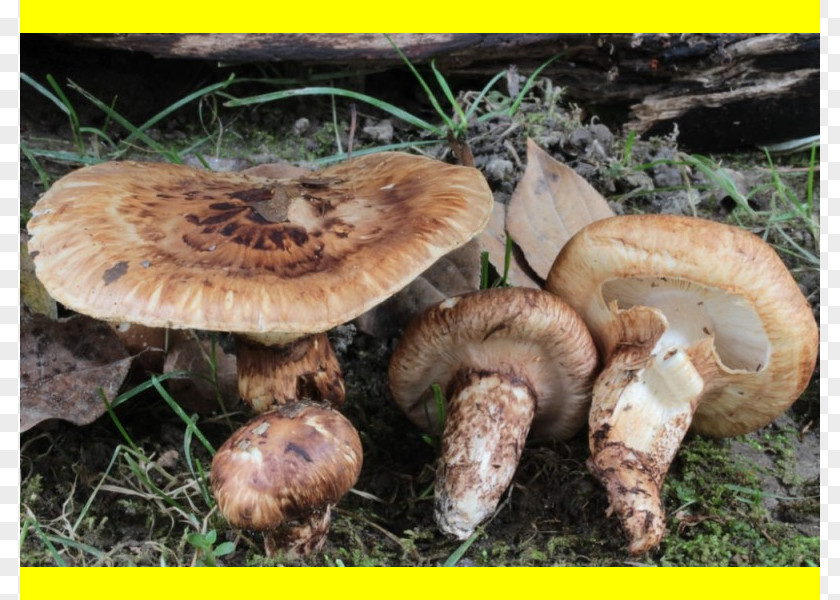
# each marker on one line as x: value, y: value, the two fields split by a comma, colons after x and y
x: 92, y: 495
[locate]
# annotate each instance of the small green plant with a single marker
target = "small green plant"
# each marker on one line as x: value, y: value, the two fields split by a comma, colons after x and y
x: 205, y: 547
x: 502, y: 280
x: 440, y: 418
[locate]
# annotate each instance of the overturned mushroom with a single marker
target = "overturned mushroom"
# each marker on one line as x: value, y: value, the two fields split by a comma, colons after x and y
x: 277, y: 261
x: 510, y: 361
x: 700, y: 325
x: 282, y: 472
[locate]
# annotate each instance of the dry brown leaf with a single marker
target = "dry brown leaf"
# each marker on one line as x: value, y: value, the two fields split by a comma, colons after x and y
x: 455, y: 273
x: 63, y: 364
x: 492, y: 240
x: 148, y: 345
x: 550, y: 203
x: 196, y: 392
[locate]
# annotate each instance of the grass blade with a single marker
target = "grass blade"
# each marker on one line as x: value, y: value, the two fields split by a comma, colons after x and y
x: 461, y: 550
x: 75, y: 125
x: 117, y: 423
x: 456, y: 107
x: 146, y: 385
x: 192, y: 466
x: 176, y: 408
x: 96, y: 489
x: 30, y: 156
x: 481, y: 95
x: 528, y: 83
x: 325, y: 91
x: 46, y: 93
x: 68, y: 157
x: 356, y: 152
x: 127, y: 125
x: 503, y: 282
x: 210, y: 89
x: 47, y: 542
x: 429, y: 94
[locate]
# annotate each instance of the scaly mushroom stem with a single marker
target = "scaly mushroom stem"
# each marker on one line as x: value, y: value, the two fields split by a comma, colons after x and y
x: 299, y: 538
x: 272, y: 374
x: 488, y: 418
x: 641, y: 410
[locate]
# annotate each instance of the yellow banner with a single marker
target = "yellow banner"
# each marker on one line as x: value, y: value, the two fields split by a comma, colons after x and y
x: 419, y: 584
x: 54, y: 16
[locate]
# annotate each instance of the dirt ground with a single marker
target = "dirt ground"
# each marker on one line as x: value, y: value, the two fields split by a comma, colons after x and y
x: 86, y: 500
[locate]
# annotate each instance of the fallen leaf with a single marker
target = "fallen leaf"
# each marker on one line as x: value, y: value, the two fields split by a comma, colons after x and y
x: 63, y: 365
x: 196, y: 392
x: 550, y: 203
x: 492, y: 240
x: 148, y: 345
x: 455, y: 273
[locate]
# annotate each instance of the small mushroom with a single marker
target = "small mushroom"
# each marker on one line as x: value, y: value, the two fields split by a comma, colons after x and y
x: 510, y: 361
x: 700, y: 325
x: 282, y: 472
x: 276, y: 261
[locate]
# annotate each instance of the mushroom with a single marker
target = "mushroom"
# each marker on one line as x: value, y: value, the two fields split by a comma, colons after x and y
x: 699, y: 325
x: 277, y: 261
x: 510, y: 360
x: 282, y: 472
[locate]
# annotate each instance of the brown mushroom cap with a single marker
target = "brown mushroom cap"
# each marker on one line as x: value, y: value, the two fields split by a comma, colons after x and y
x: 763, y: 332
x: 284, y: 465
x: 168, y: 245
x: 524, y: 331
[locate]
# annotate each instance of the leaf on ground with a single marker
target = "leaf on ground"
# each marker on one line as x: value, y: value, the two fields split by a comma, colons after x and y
x: 196, y: 391
x: 32, y: 292
x: 455, y: 273
x: 492, y: 240
x: 148, y: 345
x: 63, y: 365
x: 550, y: 203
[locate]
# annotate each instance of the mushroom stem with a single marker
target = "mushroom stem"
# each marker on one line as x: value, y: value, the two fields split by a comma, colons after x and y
x: 271, y: 375
x: 641, y: 410
x: 488, y: 418
x: 299, y: 538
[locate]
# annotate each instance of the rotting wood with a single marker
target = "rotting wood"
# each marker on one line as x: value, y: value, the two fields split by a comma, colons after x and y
x: 720, y: 90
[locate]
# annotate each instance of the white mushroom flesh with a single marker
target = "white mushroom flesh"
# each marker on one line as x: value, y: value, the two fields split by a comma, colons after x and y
x: 694, y: 312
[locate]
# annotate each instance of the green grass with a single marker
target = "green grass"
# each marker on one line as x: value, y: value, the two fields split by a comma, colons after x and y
x: 788, y: 194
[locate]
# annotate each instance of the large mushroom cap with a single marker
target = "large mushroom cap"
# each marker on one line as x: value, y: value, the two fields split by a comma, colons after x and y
x: 169, y: 245
x: 284, y: 465
x: 710, y: 281
x: 525, y: 332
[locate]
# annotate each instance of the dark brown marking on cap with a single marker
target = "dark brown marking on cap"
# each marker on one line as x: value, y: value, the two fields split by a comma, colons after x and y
x: 253, y: 195
x: 292, y: 447
x: 115, y: 272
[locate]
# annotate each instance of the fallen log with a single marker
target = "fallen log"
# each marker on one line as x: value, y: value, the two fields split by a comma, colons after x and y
x: 720, y: 90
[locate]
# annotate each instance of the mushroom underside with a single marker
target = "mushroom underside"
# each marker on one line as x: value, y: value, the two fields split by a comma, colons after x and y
x: 680, y: 346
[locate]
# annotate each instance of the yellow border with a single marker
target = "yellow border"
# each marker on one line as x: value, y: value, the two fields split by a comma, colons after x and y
x: 432, y: 15
x: 419, y: 584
